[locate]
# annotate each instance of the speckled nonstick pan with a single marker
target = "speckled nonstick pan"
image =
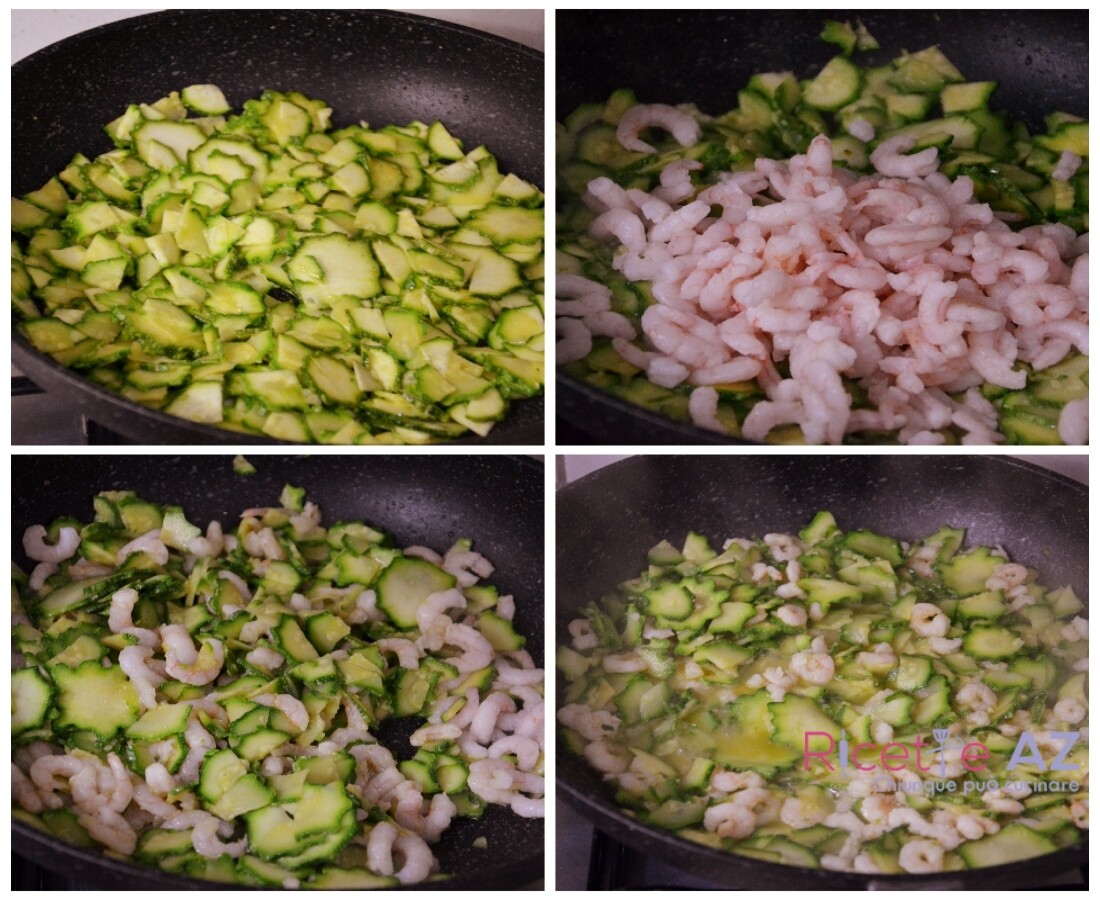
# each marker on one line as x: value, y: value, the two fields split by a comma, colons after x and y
x: 427, y: 500
x: 608, y: 520
x: 373, y: 65
x: 1039, y: 58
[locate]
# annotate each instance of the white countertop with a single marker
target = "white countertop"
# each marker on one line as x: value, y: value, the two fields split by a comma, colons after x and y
x: 33, y: 29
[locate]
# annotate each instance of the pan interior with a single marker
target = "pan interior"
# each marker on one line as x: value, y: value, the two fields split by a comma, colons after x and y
x: 431, y: 501
x: 608, y: 520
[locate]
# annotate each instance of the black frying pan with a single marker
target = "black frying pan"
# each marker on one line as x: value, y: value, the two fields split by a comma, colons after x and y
x: 382, y: 67
x: 608, y: 520
x: 426, y: 500
x: 1039, y: 58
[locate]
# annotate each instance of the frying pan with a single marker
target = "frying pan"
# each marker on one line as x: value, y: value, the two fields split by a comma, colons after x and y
x: 426, y: 500
x: 608, y: 520
x: 1039, y: 59
x: 382, y: 67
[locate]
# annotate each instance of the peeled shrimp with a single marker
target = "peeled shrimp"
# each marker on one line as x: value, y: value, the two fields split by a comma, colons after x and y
x: 477, y: 651
x: 928, y: 620
x: 134, y: 661
x: 683, y: 127
x: 813, y: 667
x: 184, y: 663
x: 291, y: 707
x: 35, y: 546
x: 730, y: 820
x: 920, y: 856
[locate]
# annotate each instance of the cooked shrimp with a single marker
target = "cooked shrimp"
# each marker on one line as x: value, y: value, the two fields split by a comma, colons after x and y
x: 921, y: 856
x: 184, y: 663
x: 134, y: 661
x: 928, y: 620
x: 291, y: 707
x: 730, y: 820
x: 24, y: 792
x: 682, y: 126
x: 583, y: 637
x: 149, y: 544
x: 120, y: 619
x: 35, y: 546
x: 1070, y: 710
x: 408, y: 655
x: 477, y: 652
x: 813, y: 667
x: 110, y: 829
x: 798, y: 814
x: 484, y: 723
x: 976, y: 696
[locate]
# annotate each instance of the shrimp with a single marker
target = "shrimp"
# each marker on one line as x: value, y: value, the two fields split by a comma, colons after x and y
x: 877, y: 807
x: 24, y: 792
x: 583, y: 637
x: 797, y: 814
x: 41, y: 572
x: 528, y: 807
x: 417, y: 862
x: 813, y: 667
x: 435, y: 734
x: 605, y: 758
x: 976, y: 696
x: 525, y: 750
x: 730, y: 820
x: 204, y: 834
x: 184, y: 663
x: 263, y: 544
x: 790, y: 614
x: 880, y: 657
x: 1007, y: 576
x: 928, y: 620
x: 265, y: 658
x: 1070, y: 710
x: 484, y: 723
x: 425, y: 553
x: 409, y: 814
x: 477, y: 652
x: 120, y: 619
x: 921, y: 856
x: 109, y: 828
x: 432, y: 619
x: 211, y: 545
x: 682, y: 126
x: 134, y: 662
x: 149, y: 544
x: 728, y: 782
x: 408, y: 656
x: 49, y: 774
x: 198, y: 741
x: 159, y: 779
x: 35, y: 546
x: 291, y: 707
